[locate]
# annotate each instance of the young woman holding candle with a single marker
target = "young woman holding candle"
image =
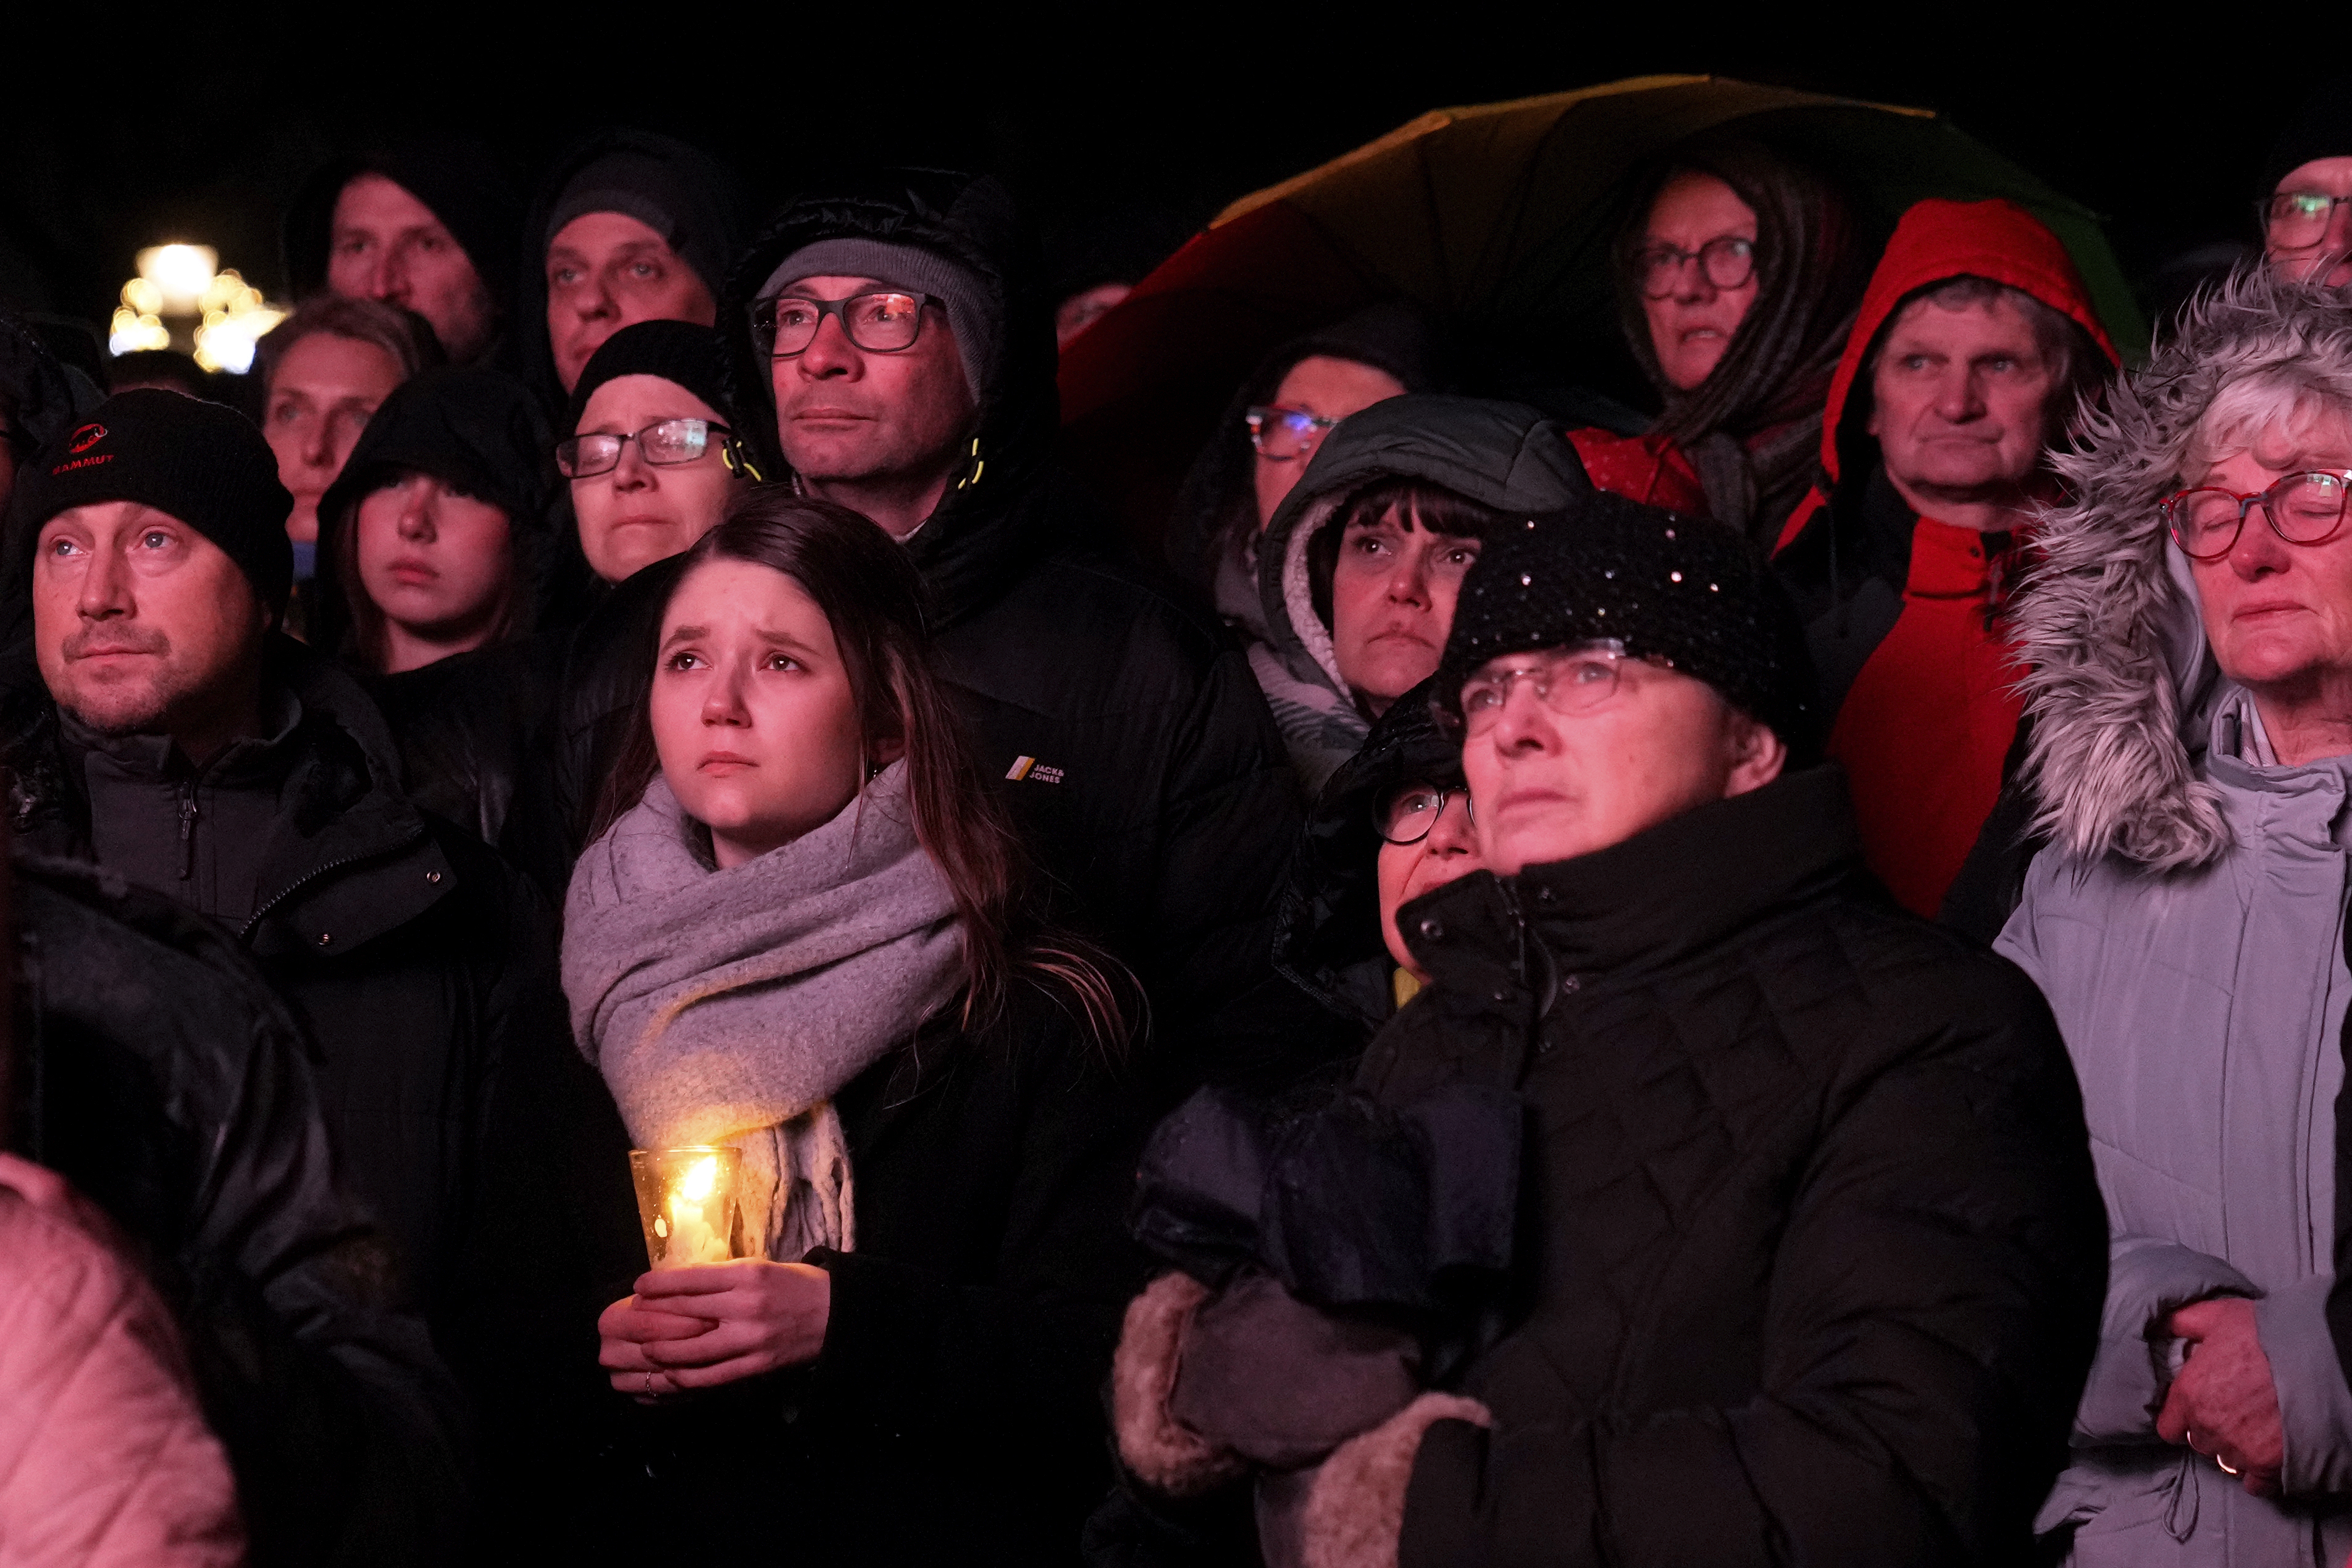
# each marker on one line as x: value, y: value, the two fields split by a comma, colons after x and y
x: 799, y: 933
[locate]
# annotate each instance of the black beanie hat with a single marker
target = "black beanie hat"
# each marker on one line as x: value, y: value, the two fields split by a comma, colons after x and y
x: 694, y: 357
x: 2322, y: 128
x: 1690, y: 595
x: 206, y: 465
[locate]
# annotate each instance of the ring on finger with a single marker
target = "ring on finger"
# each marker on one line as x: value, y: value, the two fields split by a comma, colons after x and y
x: 2227, y: 1468
x: 649, y: 1382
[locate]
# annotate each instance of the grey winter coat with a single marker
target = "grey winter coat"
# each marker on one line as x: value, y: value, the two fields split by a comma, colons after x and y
x: 2187, y: 925
x: 1503, y: 455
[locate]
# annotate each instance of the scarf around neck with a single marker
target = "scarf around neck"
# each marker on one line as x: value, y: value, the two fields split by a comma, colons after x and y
x: 730, y: 1007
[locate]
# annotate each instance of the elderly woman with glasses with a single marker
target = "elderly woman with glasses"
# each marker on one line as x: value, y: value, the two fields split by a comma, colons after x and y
x: 2190, y: 702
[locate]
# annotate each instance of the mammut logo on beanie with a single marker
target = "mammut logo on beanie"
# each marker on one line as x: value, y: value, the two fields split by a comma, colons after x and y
x: 82, y: 440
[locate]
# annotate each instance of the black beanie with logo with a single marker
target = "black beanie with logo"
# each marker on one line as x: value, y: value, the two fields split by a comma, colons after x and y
x: 202, y: 463
x: 1691, y: 595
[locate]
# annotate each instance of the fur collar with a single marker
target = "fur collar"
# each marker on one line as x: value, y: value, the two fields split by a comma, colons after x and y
x: 2120, y: 683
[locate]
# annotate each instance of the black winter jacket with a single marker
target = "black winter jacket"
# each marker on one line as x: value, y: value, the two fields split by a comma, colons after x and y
x: 954, y: 1414
x: 1811, y: 1253
x: 1122, y: 726
x: 410, y: 954
x: 154, y: 1069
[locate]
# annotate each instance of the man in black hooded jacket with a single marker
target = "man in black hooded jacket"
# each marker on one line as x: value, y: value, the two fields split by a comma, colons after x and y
x: 1122, y: 728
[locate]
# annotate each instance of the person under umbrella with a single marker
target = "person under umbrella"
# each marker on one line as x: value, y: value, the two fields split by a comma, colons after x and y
x: 1737, y: 282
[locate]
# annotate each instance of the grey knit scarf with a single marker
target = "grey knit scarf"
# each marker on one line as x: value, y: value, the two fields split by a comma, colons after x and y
x: 730, y: 1007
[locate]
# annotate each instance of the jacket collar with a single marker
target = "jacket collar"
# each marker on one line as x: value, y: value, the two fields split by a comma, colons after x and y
x: 357, y: 861
x: 1660, y: 898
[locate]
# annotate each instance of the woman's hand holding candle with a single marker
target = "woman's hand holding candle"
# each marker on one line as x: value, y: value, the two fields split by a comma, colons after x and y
x: 720, y: 1322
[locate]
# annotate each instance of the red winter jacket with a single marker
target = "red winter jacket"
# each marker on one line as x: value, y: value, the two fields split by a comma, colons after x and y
x: 104, y: 1458
x: 1928, y: 720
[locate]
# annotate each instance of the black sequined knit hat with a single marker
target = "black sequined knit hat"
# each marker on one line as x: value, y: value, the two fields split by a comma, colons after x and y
x: 1690, y: 595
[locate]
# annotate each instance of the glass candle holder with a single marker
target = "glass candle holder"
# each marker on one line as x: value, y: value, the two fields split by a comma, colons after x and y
x: 686, y: 1201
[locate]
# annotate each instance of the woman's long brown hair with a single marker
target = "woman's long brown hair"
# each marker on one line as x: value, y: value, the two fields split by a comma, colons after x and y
x: 872, y: 596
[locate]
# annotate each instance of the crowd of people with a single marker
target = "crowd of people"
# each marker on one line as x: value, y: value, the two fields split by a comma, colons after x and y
x: 1770, y: 989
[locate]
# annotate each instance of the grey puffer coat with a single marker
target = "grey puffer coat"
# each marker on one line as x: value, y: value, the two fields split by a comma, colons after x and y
x: 2187, y: 925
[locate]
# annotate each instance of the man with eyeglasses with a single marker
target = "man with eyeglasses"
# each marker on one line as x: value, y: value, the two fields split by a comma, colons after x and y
x: 896, y: 348
x: 2306, y: 210
x: 1809, y: 1251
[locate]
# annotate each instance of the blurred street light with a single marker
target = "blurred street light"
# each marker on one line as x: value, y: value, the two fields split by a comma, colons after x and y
x: 182, y: 298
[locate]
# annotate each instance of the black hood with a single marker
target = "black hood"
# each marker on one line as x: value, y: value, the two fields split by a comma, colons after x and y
x: 36, y: 393
x: 1331, y: 918
x: 461, y: 181
x: 475, y: 430
x: 981, y: 536
x: 705, y: 201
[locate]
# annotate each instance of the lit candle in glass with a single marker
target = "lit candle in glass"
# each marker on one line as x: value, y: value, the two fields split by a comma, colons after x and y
x: 686, y: 1201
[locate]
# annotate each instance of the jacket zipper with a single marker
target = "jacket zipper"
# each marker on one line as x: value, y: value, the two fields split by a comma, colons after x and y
x: 187, y: 829
x: 262, y: 911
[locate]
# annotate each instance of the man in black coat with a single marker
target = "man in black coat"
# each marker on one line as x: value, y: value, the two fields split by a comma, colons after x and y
x: 170, y: 735
x: 1809, y: 1255
x: 896, y: 354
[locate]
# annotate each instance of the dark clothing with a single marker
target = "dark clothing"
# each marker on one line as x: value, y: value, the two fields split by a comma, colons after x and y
x: 697, y: 204
x: 462, y: 182
x: 156, y: 1071
x: 410, y: 954
x: 196, y: 835
x: 1811, y: 1254
x: 954, y: 1414
x: 480, y: 434
x: 1121, y: 727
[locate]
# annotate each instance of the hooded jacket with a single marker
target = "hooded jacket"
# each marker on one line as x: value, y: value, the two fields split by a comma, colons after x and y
x: 2187, y: 924
x: 460, y: 180
x: 156, y: 1070
x: 1808, y: 1259
x: 1210, y: 542
x: 695, y: 202
x: 1919, y: 680
x: 1122, y: 726
x: 1505, y: 456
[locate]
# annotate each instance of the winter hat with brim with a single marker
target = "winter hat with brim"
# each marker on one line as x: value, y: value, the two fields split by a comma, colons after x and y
x: 203, y: 464
x: 1690, y: 595
x: 917, y: 271
x: 693, y: 357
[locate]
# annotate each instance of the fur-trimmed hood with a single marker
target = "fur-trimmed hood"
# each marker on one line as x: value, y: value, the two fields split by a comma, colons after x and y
x: 2121, y: 680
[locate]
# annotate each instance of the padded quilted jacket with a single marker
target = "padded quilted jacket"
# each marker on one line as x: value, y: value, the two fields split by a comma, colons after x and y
x: 1811, y: 1254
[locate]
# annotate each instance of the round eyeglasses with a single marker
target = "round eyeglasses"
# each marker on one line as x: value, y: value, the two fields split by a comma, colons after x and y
x: 886, y: 321
x: 1568, y: 681
x: 1726, y: 261
x: 2302, y: 509
x: 1281, y: 434
x: 1407, y: 816
x: 2297, y: 220
x: 663, y: 443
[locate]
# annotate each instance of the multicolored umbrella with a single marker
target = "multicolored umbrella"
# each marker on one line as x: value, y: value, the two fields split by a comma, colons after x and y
x: 1499, y: 219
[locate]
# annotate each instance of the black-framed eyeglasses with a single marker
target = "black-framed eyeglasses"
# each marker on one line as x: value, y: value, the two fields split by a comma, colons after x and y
x: 2300, y: 509
x: 1569, y: 681
x: 1726, y: 261
x: 2297, y: 220
x: 663, y: 443
x: 1409, y: 814
x: 885, y: 321
x: 1281, y: 434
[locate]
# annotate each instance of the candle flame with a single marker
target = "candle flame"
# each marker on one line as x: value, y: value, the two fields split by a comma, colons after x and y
x: 700, y: 1178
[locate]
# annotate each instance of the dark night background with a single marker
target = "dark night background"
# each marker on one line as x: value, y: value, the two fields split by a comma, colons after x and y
x: 1176, y: 125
